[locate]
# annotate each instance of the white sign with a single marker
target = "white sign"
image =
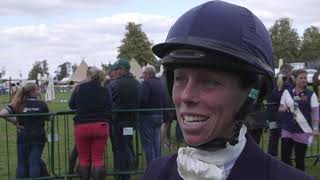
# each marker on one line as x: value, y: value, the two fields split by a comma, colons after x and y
x: 128, y: 131
x: 55, y: 138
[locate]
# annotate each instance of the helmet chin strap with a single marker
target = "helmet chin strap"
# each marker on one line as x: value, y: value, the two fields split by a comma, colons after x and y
x: 220, y: 143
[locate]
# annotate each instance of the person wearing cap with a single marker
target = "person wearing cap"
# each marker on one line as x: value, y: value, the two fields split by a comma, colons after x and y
x: 112, y: 74
x: 126, y: 93
x: 153, y: 97
x: 283, y: 81
x: 219, y: 63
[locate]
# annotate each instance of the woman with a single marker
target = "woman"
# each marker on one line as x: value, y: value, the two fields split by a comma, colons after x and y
x: 31, y: 136
x: 283, y: 81
x: 301, y: 108
x: 92, y: 103
x: 218, y: 61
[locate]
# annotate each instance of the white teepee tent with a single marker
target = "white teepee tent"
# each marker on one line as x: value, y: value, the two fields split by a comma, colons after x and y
x: 81, y: 72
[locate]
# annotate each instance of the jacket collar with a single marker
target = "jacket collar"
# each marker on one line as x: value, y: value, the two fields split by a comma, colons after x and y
x: 251, y: 163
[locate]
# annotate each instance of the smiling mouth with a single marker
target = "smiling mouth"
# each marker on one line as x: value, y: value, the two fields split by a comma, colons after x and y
x: 194, y: 120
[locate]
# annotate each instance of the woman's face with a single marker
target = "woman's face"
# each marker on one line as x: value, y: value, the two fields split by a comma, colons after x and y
x: 206, y: 102
x: 301, y: 80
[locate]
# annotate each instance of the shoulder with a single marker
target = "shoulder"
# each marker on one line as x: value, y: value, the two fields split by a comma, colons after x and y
x: 163, y: 168
x: 280, y: 170
x: 264, y: 165
x: 9, y: 108
x: 309, y: 92
x: 147, y: 82
x: 41, y: 103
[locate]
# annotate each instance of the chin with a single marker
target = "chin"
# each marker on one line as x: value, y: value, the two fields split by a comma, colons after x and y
x: 195, y: 141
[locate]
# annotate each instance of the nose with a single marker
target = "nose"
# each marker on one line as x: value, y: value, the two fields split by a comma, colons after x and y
x: 190, y: 93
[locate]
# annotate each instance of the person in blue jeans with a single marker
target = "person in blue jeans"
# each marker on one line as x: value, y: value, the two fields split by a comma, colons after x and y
x: 31, y: 138
x: 153, y: 97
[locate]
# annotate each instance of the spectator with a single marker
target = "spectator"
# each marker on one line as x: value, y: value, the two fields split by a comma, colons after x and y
x: 112, y: 74
x: 218, y: 61
x: 153, y: 97
x: 256, y: 122
x: 301, y: 108
x: 284, y: 81
x: 92, y: 103
x: 31, y: 135
x: 126, y: 92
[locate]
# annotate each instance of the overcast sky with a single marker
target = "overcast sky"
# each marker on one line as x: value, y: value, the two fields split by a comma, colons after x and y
x: 71, y: 30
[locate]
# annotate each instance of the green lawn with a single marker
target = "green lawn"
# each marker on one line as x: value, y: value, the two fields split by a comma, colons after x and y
x: 64, y: 128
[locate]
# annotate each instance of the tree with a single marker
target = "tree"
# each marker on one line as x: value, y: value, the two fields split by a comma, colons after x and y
x: 74, y: 67
x: 285, y: 40
x: 64, y: 70
x: 310, y: 48
x: 38, y: 67
x: 105, y: 67
x: 136, y: 45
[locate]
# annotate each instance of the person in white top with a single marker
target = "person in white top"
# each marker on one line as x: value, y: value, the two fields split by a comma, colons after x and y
x: 300, y: 109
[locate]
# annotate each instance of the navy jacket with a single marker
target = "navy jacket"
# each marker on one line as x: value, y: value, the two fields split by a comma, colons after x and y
x: 272, y: 110
x: 153, y: 93
x: 252, y: 164
x: 288, y: 122
x: 92, y: 103
x: 126, y: 94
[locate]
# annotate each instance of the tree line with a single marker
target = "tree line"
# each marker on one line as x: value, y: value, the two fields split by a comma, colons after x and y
x: 287, y: 44
x: 285, y: 39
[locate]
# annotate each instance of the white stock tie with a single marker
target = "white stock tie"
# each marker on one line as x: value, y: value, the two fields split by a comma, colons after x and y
x: 196, y: 164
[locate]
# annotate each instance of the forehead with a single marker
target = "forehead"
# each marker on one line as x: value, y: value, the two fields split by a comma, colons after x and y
x: 206, y: 71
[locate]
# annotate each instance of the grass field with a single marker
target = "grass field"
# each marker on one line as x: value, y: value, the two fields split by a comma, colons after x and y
x: 61, y: 149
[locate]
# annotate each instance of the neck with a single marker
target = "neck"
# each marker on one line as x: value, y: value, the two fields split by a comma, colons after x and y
x: 299, y: 89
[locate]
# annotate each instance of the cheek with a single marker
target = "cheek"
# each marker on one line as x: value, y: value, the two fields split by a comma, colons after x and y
x: 176, y: 96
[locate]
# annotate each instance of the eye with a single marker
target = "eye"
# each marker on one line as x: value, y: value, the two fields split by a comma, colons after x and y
x: 211, y: 82
x: 180, y: 78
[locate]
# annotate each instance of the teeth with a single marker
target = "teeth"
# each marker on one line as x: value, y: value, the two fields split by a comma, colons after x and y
x: 194, y: 119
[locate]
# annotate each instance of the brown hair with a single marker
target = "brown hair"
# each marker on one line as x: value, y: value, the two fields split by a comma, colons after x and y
x: 21, y: 95
x: 297, y: 72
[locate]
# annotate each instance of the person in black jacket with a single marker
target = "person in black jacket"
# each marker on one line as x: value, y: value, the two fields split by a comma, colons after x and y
x: 283, y: 81
x: 219, y: 64
x: 31, y: 135
x: 126, y: 92
x: 92, y: 103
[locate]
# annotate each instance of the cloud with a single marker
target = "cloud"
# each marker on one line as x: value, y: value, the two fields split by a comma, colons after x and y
x: 303, y: 13
x: 95, y: 40
x: 40, y: 7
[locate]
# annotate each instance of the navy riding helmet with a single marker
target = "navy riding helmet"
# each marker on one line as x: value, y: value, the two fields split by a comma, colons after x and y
x: 222, y: 35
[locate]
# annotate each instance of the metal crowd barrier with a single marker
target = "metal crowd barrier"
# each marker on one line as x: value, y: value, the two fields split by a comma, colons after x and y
x: 61, y: 143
